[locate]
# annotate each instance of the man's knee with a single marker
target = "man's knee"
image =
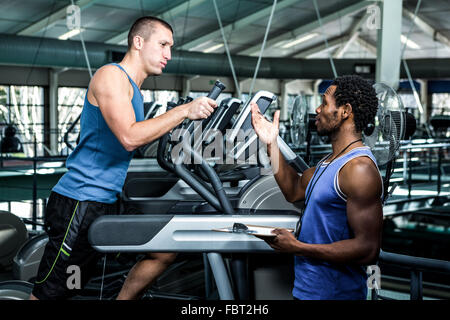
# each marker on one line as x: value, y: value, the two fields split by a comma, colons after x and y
x: 32, y: 297
x: 163, y: 258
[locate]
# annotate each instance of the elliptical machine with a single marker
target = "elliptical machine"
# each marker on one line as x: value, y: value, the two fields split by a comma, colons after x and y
x: 260, y: 202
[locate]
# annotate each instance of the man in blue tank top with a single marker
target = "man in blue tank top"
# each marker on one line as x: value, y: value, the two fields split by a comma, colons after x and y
x: 112, y: 127
x: 340, y: 230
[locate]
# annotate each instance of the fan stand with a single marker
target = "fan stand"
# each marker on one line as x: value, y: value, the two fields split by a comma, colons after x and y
x: 386, y: 181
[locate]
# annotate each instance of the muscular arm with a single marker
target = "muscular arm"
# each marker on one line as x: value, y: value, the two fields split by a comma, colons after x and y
x: 364, y: 214
x: 111, y: 91
x: 290, y: 182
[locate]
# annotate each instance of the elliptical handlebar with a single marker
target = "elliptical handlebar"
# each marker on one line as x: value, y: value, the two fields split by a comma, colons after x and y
x: 203, y: 172
x: 162, y: 143
x: 216, y: 90
x: 164, y: 140
x: 216, y: 197
x: 213, y: 94
x: 192, y: 180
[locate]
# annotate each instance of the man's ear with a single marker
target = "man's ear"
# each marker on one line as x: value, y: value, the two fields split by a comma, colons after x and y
x: 347, y: 110
x: 138, y: 42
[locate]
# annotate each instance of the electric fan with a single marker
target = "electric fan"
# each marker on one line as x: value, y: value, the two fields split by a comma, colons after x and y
x: 384, y: 135
x: 299, y: 121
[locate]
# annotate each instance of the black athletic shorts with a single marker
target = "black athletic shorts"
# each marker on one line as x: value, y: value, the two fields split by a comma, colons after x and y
x: 68, y: 222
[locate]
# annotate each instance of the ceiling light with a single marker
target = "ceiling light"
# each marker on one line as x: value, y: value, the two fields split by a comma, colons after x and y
x: 409, y: 42
x: 213, y: 48
x: 70, y: 34
x: 300, y: 40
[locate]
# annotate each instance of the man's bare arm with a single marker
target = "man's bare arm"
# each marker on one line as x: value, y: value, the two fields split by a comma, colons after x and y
x: 365, y: 218
x: 111, y: 92
x: 291, y: 184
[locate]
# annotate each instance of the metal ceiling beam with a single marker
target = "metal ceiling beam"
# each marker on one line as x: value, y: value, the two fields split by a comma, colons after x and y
x: 321, y: 47
x: 342, y: 41
x: 53, y: 18
x: 238, y: 24
x: 308, y: 27
x: 354, y: 34
x: 426, y: 28
x: 166, y: 16
x: 366, y: 45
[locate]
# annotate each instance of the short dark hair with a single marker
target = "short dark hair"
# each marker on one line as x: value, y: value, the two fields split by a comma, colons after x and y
x: 144, y: 27
x: 361, y: 95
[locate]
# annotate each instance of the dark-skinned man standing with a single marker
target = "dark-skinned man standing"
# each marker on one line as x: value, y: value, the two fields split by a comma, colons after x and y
x: 340, y: 230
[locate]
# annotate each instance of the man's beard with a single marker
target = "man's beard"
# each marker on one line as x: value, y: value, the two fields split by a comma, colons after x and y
x: 329, y: 132
x: 325, y: 132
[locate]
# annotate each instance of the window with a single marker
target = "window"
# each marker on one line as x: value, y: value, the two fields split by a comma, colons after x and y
x: 24, y: 209
x: 23, y: 107
x: 160, y: 96
x: 159, y: 99
x: 440, y: 104
x: 70, y: 104
x: 410, y: 104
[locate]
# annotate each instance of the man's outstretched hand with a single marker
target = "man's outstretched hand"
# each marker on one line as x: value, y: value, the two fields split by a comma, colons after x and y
x: 267, y: 131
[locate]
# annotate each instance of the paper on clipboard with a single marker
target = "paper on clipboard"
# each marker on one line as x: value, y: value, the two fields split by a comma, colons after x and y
x: 261, y: 231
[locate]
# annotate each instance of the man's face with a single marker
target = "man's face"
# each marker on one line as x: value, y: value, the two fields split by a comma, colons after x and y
x: 328, y: 119
x: 156, y: 50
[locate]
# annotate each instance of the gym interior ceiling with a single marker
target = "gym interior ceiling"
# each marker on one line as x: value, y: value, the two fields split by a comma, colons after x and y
x: 295, y: 31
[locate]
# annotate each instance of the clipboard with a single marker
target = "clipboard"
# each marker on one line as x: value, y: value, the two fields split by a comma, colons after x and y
x: 254, y: 230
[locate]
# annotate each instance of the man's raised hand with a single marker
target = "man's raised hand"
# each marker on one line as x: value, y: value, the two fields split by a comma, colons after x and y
x: 267, y: 131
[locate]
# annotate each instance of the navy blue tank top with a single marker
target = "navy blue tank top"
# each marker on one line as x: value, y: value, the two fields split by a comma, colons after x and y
x: 325, y: 221
x: 97, y: 167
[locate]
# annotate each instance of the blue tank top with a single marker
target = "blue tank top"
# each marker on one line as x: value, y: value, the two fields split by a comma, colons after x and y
x: 97, y: 167
x: 325, y: 221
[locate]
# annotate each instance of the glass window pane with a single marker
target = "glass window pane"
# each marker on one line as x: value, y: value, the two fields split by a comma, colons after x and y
x: 23, y: 107
x: 440, y: 104
x: 155, y: 101
x: 70, y: 104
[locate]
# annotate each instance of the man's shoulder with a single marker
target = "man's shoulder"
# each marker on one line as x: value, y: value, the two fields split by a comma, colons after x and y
x: 107, y: 77
x: 360, y: 175
x: 109, y: 70
x: 360, y: 164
